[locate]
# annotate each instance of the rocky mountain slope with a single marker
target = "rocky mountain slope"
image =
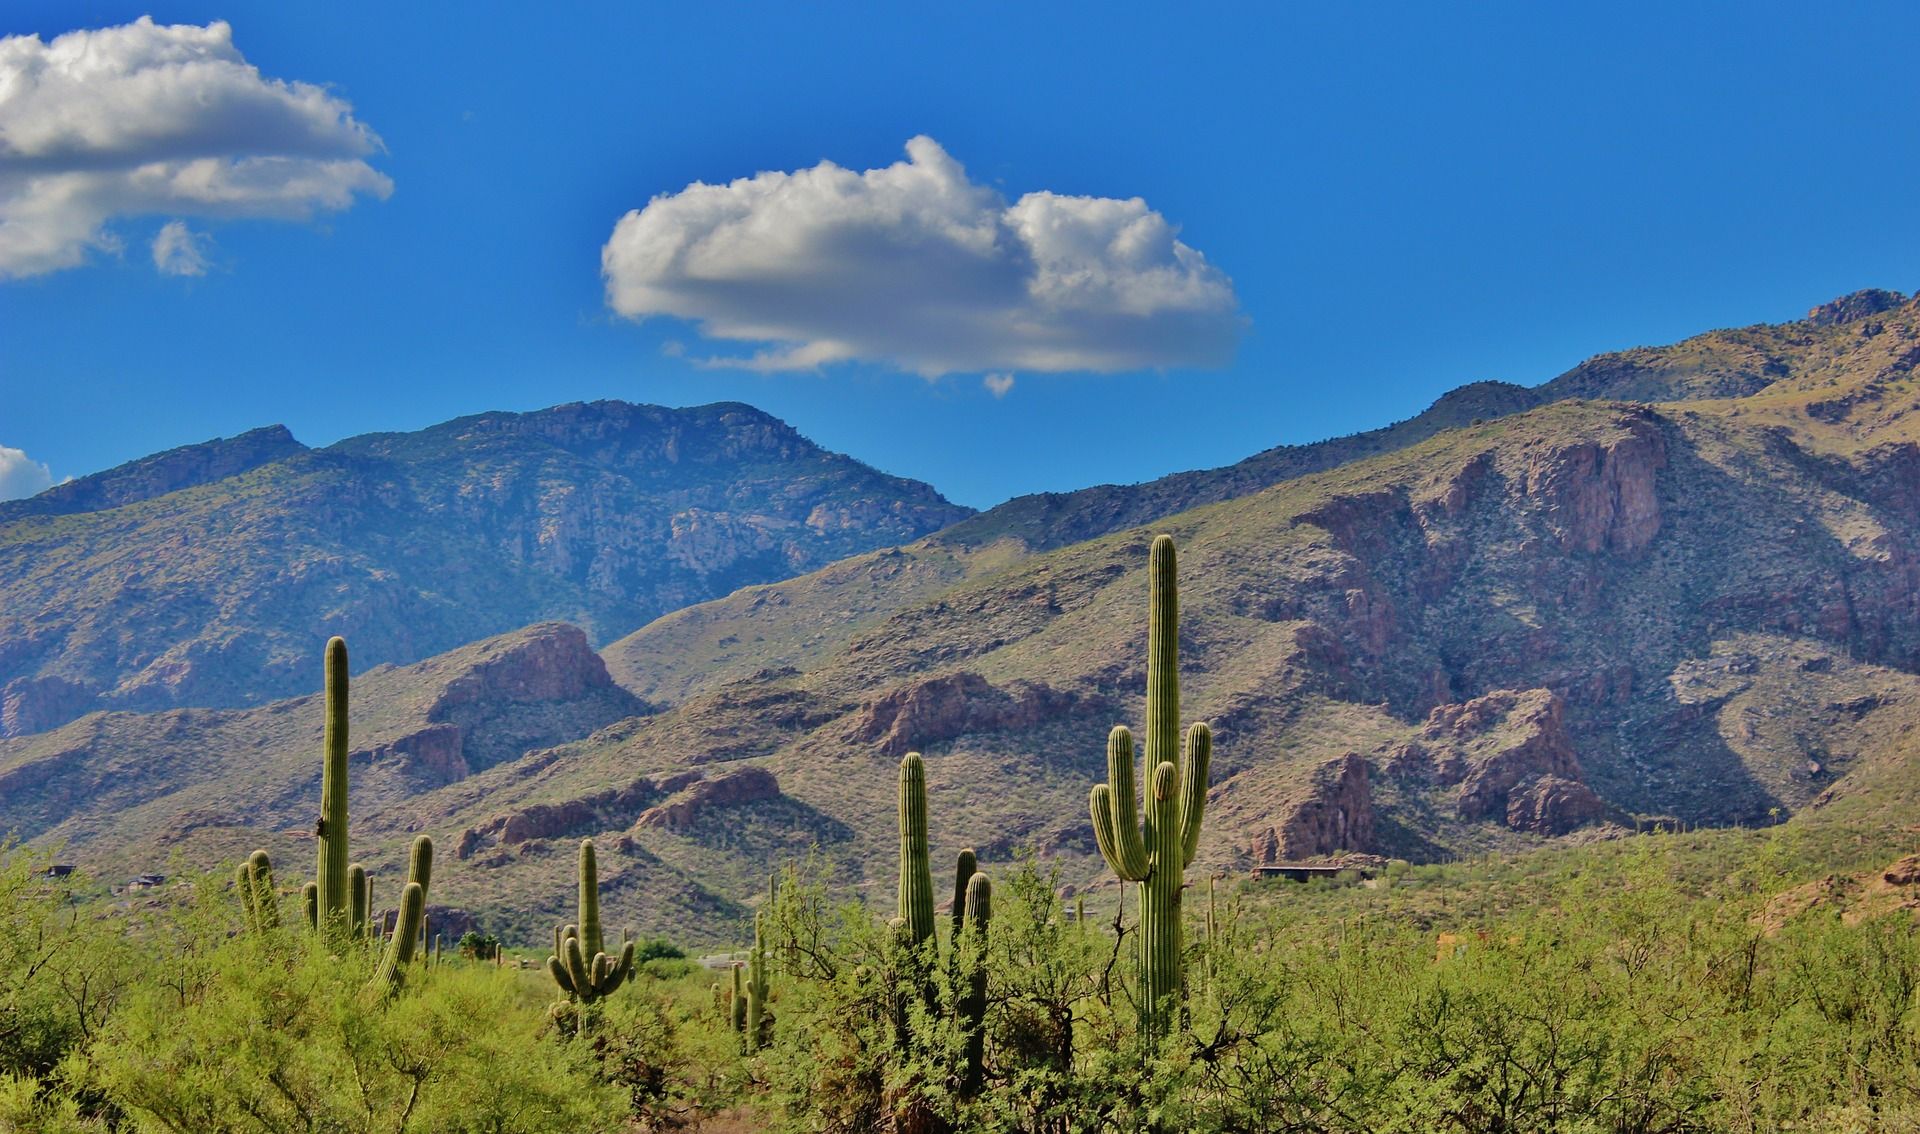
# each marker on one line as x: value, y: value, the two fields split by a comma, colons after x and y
x: 1573, y: 621
x: 206, y: 575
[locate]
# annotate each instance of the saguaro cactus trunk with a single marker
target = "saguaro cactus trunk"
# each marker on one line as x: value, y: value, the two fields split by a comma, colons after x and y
x: 580, y: 964
x: 1156, y: 858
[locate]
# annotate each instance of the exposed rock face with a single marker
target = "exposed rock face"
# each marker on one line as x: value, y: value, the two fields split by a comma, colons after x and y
x: 412, y: 545
x: 1334, y: 813
x: 550, y: 662
x: 1500, y: 741
x: 694, y: 803
x: 33, y: 704
x: 614, y: 807
x: 921, y: 713
x: 434, y: 753
x: 1855, y: 307
x: 1602, y: 498
x: 1553, y: 805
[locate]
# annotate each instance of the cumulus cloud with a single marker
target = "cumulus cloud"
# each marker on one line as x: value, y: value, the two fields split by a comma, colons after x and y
x: 22, y: 476
x: 918, y: 266
x: 179, y: 251
x: 143, y: 120
x: 998, y: 384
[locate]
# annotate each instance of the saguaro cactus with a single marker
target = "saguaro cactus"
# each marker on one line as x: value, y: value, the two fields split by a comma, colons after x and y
x: 580, y: 964
x: 1157, y: 857
x: 737, y: 1003
x: 409, y: 922
x: 756, y: 988
x: 971, y: 916
x: 258, y: 899
x: 339, y: 901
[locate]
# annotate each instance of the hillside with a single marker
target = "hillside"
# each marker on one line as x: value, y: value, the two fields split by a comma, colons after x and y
x: 1557, y: 624
x: 206, y: 576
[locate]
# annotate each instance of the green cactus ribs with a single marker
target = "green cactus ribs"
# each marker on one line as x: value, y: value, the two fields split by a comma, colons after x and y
x: 580, y: 964
x: 1156, y: 858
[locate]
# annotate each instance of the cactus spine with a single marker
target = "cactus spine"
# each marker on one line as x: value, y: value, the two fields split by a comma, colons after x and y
x: 580, y: 964
x: 1157, y: 857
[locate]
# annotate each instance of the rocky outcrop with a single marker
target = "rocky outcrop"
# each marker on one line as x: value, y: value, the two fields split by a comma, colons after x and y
x: 935, y: 709
x: 549, y: 662
x: 691, y: 805
x: 1493, y: 744
x: 1334, y: 812
x: 1553, y: 805
x: 433, y: 753
x: 1596, y: 497
x: 611, y: 809
x: 35, y: 704
x: 1855, y: 307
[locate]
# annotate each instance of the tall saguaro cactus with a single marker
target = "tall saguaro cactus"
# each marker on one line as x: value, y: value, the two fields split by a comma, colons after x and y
x: 580, y: 964
x: 1156, y: 857
x: 338, y: 903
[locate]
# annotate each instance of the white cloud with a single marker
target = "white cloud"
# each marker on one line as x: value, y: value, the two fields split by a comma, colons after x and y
x: 998, y: 384
x: 920, y: 267
x: 22, y: 476
x: 143, y: 120
x: 179, y: 251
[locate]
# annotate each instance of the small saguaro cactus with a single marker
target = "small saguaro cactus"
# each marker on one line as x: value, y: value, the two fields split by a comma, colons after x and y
x: 338, y: 903
x: 258, y: 899
x: 1157, y: 857
x: 580, y: 964
x: 971, y: 912
x: 737, y: 1003
x: 756, y: 1020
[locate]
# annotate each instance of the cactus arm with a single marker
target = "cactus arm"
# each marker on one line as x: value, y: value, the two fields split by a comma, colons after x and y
x: 964, y: 869
x: 331, y: 831
x: 578, y: 967
x: 1122, y: 845
x: 623, y: 972
x: 558, y: 972
x: 359, y: 888
x: 916, y: 867
x: 406, y: 929
x: 243, y: 888
x: 420, y: 862
x: 1193, y: 789
x: 264, y: 898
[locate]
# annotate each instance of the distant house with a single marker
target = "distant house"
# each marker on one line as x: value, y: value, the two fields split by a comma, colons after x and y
x: 57, y: 870
x: 145, y: 881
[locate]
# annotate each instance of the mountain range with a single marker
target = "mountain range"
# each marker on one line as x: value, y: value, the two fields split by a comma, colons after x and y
x: 1675, y: 585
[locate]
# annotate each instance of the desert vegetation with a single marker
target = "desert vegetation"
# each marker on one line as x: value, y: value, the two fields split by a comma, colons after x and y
x: 1663, y: 983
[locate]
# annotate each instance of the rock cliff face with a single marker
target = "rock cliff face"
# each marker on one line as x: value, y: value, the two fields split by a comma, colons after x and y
x: 1492, y: 745
x: 695, y: 803
x: 603, y: 514
x: 922, y: 713
x: 1332, y: 813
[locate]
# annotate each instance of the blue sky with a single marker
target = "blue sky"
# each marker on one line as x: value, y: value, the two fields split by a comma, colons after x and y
x: 1395, y: 201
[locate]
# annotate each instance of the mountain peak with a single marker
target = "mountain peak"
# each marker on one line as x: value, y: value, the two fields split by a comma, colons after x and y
x: 1854, y: 307
x: 187, y: 466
